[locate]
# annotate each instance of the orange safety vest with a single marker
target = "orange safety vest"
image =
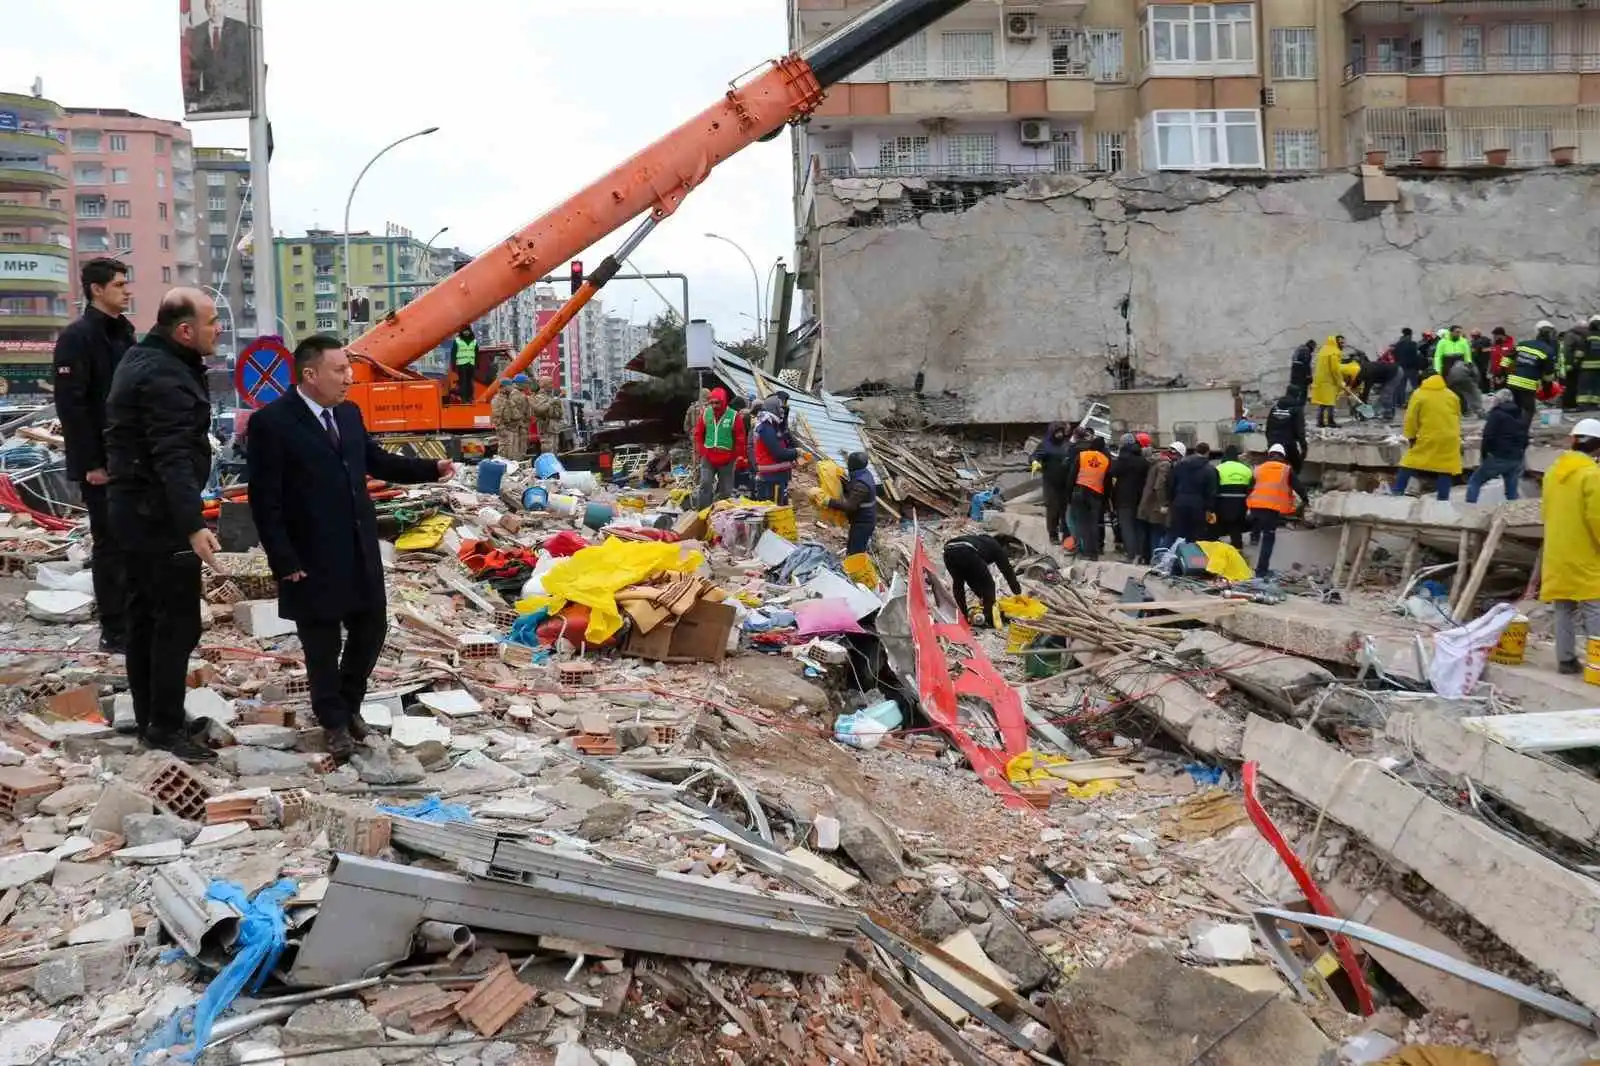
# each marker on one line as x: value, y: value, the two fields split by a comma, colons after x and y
x: 1092, y: 467
x: 1272, y: 491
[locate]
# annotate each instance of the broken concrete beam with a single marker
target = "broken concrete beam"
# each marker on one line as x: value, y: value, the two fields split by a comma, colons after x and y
x: 1189, y: 717
x: 1281, y: 679
x: 1562, y: 800
x: 1410, y: 512
x: 1540, y: 909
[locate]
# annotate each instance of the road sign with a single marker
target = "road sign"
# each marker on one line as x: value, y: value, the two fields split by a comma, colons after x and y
x: 263, y: 372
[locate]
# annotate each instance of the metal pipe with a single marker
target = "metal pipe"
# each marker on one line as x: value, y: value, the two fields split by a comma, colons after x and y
x: 352, y: 197
x: 854, y: 45
x: 441, y: 938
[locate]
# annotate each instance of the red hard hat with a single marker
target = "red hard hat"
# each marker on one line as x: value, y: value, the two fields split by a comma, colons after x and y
x: 1143, y: 439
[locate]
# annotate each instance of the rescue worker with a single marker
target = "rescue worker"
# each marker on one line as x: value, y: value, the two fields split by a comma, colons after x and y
x: 1050, y: 462
x: 1286, y: 425
x: 1194, y: 495
x: 775, y: 452
x: 1271, y: 500
x: 1532, y: 364
x: 546, y: 408
x: 1408, y: 357
x: 1589, y: 367
x: 1300, y: 369
x: 1480, y: 347
x: 1433, y: 427
x: 1570, y: 568
x: 859, y: 502
x: 1462, y: 379
x: 1089, y: 471
x: 464, y: 357
x: 1234, y: 481
x: 1125, y: 482
x: 1155, y: 503
x: 967, y: 559
x: 1325, y: 379
x: 1502, y: 352
x: 1451, y: 349
x: 1505, y: 447
x: 509, y: 416
x: 718, y: 444
x: 1574, y: 343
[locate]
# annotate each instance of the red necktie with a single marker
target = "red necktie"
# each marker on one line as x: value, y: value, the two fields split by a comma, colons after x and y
x: 216, y: 39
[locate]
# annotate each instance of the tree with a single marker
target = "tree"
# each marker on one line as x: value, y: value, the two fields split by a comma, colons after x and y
x: 750, y: 350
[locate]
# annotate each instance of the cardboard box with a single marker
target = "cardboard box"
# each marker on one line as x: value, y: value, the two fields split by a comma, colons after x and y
x: 701, y: 635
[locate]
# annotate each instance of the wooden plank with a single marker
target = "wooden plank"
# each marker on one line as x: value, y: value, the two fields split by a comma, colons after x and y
x: 1359, y: 562
x: 1462, y: 605
x: 1338, y: 556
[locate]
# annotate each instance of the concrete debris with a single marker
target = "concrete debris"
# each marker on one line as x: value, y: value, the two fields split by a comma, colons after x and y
x: 141, y: 829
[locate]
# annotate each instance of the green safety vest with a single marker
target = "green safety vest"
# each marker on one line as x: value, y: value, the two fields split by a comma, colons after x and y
x: 1232, y: 473
x: 466, y: 352
x: 719, y: 432
x: 1449, y: 347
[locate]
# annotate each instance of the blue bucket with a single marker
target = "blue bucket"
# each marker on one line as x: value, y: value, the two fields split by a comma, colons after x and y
x: 598, y: 515
x: 490, y: 473
x: 535, y: 498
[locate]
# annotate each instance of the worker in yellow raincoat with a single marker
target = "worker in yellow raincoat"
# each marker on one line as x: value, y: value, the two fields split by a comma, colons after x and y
x: 1433, y: 426
x: 1326, y: 374
x: 1570, y: 571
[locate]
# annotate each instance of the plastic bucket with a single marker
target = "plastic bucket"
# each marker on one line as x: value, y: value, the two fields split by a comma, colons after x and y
x: 860, y: 569
x: 562, y: 504
x: 579, y: 481
x: 547, y: 465
x: 781, y: 521
x: 490, y: 473
x: 598, y: 515
x: 535, y: 498
x: 1019, y: 635
x: 1591, y: 666
x: 1513, y: 643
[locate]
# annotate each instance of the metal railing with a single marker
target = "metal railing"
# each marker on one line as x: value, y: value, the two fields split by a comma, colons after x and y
x: 1464, y: 135
x: 1545, y: 63
x: 968, y: 171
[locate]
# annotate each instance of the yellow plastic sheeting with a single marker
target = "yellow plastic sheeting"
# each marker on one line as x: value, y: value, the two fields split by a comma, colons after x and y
x: 1023, y: 607
x: 533, y: 603
x: 830, y: 486
x: 1224, y: 560
x: 1439, y: 1055
x: 595, y: 575
x: 1031, y: 769
x: 426, y: 534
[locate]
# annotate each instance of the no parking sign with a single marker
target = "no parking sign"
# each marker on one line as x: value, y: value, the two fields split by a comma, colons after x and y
x: 263, y: 372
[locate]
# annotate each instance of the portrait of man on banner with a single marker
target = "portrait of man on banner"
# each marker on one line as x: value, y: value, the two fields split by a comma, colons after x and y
x: 218, y: 67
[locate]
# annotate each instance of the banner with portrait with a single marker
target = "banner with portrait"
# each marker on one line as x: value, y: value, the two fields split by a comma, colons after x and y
x: 217, y: 57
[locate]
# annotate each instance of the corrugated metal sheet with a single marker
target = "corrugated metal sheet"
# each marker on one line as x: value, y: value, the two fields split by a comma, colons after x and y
x: 835, y: 430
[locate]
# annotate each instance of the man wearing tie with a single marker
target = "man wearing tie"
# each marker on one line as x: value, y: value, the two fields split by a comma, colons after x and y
x: 309, y: 461
x: 219, y: 74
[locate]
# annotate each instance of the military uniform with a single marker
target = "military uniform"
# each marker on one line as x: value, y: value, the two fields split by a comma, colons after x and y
x: 509, y: 411
x: 546, y: 409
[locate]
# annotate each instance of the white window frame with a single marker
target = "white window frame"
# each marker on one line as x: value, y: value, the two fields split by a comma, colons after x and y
x: 91, y: 207
x: 1066, y: 151
x: 122, y: 209
x: 1471, y: 58
x: 1093, y: 53
x: 906, y: 61
x: 119, y: 175
x: 216, y: 179
x: 161, y: 179
x: 123, y: 242
x: 976, y: 152
x: 1530, y: 47
x: 1398, y: 59
x: 1294, y: 53
x: 89, y: 174
x: 1207, y: 136
x: 85, y: 140
x: 216, y: 203
x: 904, y: 151
x: 836, y: 157
x: 1296, y: 150
x: 967, y: 54
x: 1110, y: 150
x: 119, y: 142
x: 1206, y: 39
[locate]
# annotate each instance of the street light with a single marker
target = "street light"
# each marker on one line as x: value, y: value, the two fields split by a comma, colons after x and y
x: 351, y: 199
x: 427, y: 250
x: 754, y: 276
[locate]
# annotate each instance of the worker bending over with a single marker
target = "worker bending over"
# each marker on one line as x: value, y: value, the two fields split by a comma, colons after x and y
x: 1089, y: 496
x: 1327, y: 380
x: 967, y: 559
x: 1433, y: 426
x: 859, y: 503
x: 1570, y: 568
x: 1271, y: 500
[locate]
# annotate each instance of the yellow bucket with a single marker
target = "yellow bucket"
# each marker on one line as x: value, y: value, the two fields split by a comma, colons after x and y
x: 1018, y: 636
x: 781, y: 521
x: 860, y: 569
x: 630, y: 503
x: 1514, y: 643
x: 1591, y: 668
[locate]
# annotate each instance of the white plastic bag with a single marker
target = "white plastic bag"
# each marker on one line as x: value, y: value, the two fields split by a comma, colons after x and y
x: 65, y: 577
x: 1459, y: 654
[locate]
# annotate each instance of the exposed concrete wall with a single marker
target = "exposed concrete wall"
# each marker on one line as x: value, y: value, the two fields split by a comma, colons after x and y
x: 1012, y: 302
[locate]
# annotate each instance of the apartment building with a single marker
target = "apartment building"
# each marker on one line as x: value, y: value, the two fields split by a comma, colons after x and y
x: 35, y: 242
x: 393, y: 269
x: 224, y: 216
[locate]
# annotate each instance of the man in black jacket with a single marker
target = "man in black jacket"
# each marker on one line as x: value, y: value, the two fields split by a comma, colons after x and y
x: 1194, y: 495
x: 967, y: 559
x: 1408, y: 357
x: 1125, y: 488
x: 1505, y: 447
x: 158, y: 457
x: 1050, y: 461
x: 87, y: 354
x: 309, y: 460
x: 1286, y: 425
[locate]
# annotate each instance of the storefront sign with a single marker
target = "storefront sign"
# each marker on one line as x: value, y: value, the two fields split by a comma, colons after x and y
x: 51, y: 268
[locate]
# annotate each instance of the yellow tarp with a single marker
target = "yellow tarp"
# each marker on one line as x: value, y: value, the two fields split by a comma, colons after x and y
x: 1023, y: 607
x: 1438, y: 1055
x: 830, y: 486
x: 1225, y: 561
x: 595, y: 575
x: 1031, y: 769
x: 426, y: 534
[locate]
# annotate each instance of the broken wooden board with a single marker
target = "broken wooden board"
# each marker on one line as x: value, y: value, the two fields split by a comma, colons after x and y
x: 964, y: 946
x: 1540, y: 909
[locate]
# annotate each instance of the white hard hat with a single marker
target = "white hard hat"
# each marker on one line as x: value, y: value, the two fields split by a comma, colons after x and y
x: 1182, y: 449
x: 1276, y: 449
x: 1588, y: 427
x: 1594, y: 318
x: 1545, y: 323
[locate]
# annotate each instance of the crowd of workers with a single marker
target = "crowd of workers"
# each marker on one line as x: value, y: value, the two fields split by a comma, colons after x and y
x: 527, y: 417
x: 742, y: 448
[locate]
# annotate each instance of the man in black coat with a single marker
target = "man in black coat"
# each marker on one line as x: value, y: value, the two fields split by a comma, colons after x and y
x: 1194, y: 495
x: 158, y: 459
x: 309, y: 460
x: 87, y: 354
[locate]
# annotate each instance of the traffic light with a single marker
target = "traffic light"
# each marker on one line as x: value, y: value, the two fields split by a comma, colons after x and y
x: 577, y: 276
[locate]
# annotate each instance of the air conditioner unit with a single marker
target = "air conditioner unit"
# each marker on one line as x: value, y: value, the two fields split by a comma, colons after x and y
x: 1035, y: 131
x: 1023, y: 26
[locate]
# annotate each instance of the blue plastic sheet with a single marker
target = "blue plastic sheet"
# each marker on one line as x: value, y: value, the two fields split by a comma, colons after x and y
x: 1203, y: 774
x: 431, y: 809
x: 259, y: 945
x: 525, y: 630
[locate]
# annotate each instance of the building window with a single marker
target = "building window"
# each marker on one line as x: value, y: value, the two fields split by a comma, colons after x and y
x: 217, y: 203
x: 132, y: 307
x: 119, y: 175
x: 11, y: 236
x: 299, y: 305
x: 124, y: 242
x: 1528, y: 46
x: 89, y: 174
x: 968, y: 55
x: 1064, y: 153
x: 300, y: 324
x: 1201, y: 140
x: 297, y: 250
x: 85, y: 140
x: 1393, y: 53
x: 161, y: 179
x: 895, y: 153
x: 971, y: 152
x: 130, y: 270
x: 119, y: 142
x: 216, y: 179
x: 299, y: 268
x: 161, y: 212
x: 91, y: 207
x: 379, y: 305
x: 1095, y: 54
x: 325, y: 305
x: 1471, y: 49
x: 166, y: 275
x: 836, y: 157
x: 121, y: 209
x: 1201, y: 33
x: 299, y: 287
x: 161, y: 145
x: 1108, y: 152
x: 907, y: 61
x: 325, y: 323
x: 1294, y: 54
x: 1295, y: 150
x: 166, y: 243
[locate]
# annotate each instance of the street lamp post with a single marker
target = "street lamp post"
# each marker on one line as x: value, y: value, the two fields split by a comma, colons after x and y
x: 427, y: 252
x: 352, y: 197
x: 755, y: 276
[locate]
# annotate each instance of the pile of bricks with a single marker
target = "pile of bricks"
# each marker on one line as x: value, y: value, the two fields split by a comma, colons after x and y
x: 350, y: 826
x: 21, y: 789
x: 173, y: 785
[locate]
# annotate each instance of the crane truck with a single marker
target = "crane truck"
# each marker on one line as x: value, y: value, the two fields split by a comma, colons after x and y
x: 393, y: 397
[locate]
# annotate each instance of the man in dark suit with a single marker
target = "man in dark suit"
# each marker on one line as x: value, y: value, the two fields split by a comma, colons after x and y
x: 219, y: 76
x: 309, y: 460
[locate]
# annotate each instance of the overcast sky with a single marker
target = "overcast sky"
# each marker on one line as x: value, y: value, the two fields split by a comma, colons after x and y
x: 533, y: 100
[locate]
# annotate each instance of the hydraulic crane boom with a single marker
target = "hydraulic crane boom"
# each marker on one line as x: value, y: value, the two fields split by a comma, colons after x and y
x: 654, y: 180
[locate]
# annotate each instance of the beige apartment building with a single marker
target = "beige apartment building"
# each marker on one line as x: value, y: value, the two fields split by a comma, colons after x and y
x: 1016, y: 87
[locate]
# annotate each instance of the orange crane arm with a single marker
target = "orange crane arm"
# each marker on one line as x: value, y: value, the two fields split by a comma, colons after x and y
x: 654, y: 180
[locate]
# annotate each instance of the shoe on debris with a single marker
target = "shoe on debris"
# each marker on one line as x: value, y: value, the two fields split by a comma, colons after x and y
x: 358, y: 729
x: 341, y: 745
x: 1569, y: 666
x: 181, y: 746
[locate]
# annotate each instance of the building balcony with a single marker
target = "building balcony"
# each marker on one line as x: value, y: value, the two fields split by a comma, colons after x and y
x: 24, y: 178
x: 9, y: 321
x: 1553, y: 80
x: 1462, y: 136
x: 18, y: 142
x: 874, y: 102
x: 33, y: 108
x: 956, y: 171
x: 32, y: 215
